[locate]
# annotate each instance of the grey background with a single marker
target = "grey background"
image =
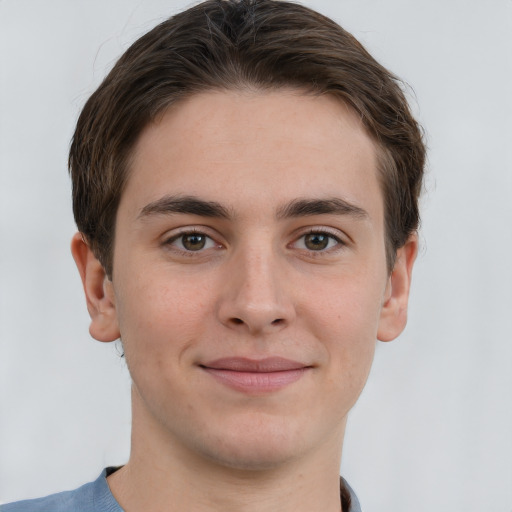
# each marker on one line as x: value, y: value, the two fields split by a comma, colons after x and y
x: 432, y: 430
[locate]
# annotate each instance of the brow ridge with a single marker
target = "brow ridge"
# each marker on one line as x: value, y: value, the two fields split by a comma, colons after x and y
x: 185, y: 204
x: 303, y: 207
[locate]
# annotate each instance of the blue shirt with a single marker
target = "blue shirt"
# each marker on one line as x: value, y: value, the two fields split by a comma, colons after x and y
x: 92, y: 497
x: 96, y: 497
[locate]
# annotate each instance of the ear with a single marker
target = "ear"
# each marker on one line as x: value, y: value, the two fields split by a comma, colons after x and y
x: 99, y: 291
x: 393, y: 316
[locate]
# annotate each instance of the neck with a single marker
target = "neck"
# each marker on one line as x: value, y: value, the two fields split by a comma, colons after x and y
x: 164, y: 475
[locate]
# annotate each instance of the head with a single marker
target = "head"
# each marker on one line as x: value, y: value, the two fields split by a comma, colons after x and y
x: 261, y: 45
x: 245, y: 181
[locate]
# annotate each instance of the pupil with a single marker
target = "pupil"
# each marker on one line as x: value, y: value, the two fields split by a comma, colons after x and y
x: 194, y: 242
x: 316, y: 242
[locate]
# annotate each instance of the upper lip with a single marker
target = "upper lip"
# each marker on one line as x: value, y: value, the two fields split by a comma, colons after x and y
x: 243, y: 364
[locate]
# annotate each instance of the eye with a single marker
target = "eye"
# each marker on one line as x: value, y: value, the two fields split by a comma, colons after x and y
x: 192, y: 242
x: 317, y: 241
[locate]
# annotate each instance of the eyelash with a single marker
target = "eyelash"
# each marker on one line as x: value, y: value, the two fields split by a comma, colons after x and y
x: 339, y: 243
x: 170, y: 242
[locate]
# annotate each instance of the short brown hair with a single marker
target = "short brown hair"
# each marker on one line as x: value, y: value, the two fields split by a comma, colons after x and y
x: 235, y: 44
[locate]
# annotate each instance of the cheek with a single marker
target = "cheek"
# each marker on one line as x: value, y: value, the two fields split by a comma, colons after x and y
x: 158, y: 316
x: 345, y: 320
x: 346, y: 309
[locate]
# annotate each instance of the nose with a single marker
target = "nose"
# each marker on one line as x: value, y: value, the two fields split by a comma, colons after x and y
x: 256, y: 297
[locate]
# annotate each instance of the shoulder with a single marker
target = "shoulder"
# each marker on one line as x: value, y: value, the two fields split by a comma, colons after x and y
x: 91, y: 497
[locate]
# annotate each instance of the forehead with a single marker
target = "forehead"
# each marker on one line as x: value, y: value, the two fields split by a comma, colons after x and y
x: 235, y: 146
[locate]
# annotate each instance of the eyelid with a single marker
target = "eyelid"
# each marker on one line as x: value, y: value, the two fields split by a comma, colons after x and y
x: 333, y: 233
x: 339, y: 236
x: 170, y: 238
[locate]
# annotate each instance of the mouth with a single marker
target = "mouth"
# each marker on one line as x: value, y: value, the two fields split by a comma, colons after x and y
x: 255, y: 376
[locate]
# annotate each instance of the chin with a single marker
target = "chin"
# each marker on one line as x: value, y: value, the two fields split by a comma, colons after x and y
x: 260, y: 446
x: 251, y: 458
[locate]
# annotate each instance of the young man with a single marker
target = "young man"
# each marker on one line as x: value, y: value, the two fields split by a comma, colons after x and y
x: 245, y: 184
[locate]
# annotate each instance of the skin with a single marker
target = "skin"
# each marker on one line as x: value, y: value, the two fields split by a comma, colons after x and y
x: 309, y: 286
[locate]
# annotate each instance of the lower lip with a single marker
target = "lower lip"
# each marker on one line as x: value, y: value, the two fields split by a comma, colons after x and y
x: 256, y: 382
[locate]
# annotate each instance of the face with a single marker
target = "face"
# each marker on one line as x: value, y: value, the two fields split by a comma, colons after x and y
x: 250, y: 281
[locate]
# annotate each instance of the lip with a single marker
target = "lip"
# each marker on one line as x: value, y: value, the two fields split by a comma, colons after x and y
x: 255, y: 376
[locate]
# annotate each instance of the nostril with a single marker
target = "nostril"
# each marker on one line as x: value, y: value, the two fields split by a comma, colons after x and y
x: 237, y: 321
x: 277, y: 321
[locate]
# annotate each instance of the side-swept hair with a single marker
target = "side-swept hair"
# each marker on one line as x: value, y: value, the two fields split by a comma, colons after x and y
x: 239, y: 44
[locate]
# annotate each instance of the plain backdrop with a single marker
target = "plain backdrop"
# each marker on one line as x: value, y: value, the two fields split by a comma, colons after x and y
x: 433, y: 428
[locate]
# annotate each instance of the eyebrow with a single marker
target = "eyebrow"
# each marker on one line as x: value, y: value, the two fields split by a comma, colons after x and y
x: 185, y: 204
x: 308, y: 207
x: 303, y: 207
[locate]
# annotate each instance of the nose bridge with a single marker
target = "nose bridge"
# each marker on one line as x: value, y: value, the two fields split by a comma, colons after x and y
x: 256, y: 298
x: 258, y: 287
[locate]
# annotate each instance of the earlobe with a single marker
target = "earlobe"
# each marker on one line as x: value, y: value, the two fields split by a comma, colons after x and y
x: 98, y: 290
x: 393, y: 316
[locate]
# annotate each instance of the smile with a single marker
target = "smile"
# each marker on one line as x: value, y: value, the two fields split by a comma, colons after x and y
x: 255, y: 376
